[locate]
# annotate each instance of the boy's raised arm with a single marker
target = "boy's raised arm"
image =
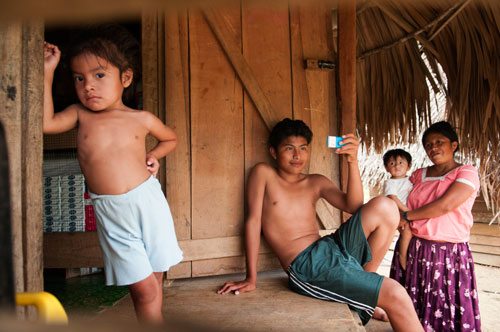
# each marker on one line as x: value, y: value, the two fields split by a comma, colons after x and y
x: 255, y: 196
x: 352, y: 199
x: 62, y: 121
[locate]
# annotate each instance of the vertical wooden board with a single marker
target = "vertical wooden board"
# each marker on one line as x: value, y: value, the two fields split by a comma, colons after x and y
x: 266, y: 47
x: 10, y: 116
x: 149, y: 51
x: 300, y: 101
x: 178, y: 165
x: 32, y: 155
x: 181, y: 270
x: 216, y: 132
x: 319, y: 84
x: 314, y: 91
x: 347, y: 72
x: 229, y: 265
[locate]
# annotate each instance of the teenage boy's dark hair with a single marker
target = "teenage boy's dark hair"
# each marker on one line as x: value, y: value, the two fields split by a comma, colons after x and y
x: 286, y: 128
x: 397, y: 153
x: 113, y: 43
x: 444, y: 128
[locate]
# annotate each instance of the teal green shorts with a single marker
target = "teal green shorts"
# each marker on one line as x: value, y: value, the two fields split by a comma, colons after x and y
x: 331, y: 269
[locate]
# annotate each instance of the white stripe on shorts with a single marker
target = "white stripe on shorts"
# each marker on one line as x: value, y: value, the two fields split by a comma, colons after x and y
x: 324, y: 294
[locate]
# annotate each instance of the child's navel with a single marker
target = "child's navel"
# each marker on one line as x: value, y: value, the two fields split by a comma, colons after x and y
x: 275, y: 202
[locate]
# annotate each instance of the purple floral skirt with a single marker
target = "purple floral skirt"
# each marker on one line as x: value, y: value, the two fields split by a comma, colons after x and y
x: 441, y: 283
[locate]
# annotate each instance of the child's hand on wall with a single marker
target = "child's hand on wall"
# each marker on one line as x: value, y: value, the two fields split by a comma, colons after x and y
x: 51, y: 57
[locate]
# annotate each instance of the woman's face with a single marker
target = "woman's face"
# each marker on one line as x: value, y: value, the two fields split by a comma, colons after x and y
x: 439, y: 148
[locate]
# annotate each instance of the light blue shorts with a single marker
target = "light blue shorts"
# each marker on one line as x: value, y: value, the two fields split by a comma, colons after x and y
x: 136, y: 233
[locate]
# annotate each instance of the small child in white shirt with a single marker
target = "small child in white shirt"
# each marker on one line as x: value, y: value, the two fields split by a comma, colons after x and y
x: 398, y: 162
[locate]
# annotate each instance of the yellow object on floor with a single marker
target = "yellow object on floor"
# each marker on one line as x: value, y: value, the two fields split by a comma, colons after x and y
x: 49, y: 309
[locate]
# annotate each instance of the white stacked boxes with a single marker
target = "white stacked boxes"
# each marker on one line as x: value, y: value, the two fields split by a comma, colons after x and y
x: 51, y: 204
x: 72, y: 188
x: 64, y: 209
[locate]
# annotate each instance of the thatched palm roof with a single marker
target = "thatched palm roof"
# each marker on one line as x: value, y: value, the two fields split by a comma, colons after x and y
x: 461, y: 40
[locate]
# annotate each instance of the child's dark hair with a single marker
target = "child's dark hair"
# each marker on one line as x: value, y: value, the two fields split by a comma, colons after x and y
x: 286, y: 128
x: 396, y: 153
x: 444, y: 128
x: 113, y: 43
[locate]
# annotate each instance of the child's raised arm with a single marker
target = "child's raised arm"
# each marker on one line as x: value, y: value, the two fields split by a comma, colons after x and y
x: 61, y: 121
x: 255, y: 198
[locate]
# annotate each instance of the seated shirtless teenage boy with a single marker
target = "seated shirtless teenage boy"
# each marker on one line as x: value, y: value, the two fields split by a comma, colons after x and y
x: 339, y: 267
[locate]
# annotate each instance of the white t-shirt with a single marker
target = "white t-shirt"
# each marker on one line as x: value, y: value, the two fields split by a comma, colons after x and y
x: 399, y: 187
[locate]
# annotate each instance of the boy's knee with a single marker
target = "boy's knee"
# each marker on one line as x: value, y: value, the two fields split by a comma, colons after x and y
x: 385, y: 207
x: 395, y: 295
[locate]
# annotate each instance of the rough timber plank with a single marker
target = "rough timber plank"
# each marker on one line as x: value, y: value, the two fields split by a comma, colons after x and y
x: 271, y: 307
x: 193, y: 305
x: 228, y: 265
x: 266, y: 48
x: 71, y: 250
x: 314, y: 92
x: 222, y: 28
x: 10, y: 116
x: 216, y: 132
x: 347, y: 73
x: 178, y: 184
x: 32, y: 155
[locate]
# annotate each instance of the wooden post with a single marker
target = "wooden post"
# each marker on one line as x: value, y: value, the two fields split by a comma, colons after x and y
x: 10, y: 116
x: 32, y: 156
x: 347, y: 74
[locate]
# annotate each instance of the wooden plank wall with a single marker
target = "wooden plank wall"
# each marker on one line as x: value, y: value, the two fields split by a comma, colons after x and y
x: 221, y: 133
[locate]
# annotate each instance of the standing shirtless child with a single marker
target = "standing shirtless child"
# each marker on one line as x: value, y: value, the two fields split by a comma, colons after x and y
x: 134, y: 223
x: 339, y: 267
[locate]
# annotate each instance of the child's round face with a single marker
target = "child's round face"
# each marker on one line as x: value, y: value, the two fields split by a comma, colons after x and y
x: 397, y: 167
x: 292, y: 154
x: 98, y: 83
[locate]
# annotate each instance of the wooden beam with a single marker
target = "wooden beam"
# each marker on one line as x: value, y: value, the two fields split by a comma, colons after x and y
x: 347, y: 74
x: 82, y: 249
x: 217, y: 248
x: 71, y: 250
x: 10, y: 116
x: 233, y: 52
x: 32, y: 156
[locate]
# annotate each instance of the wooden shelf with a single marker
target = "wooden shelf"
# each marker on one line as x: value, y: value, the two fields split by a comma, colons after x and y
x: 71, y: 250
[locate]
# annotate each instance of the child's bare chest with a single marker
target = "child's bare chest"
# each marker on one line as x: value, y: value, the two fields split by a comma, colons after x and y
x: 96, y: 130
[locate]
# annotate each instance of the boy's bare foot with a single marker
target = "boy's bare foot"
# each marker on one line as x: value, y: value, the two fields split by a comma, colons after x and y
x: 380, y: 314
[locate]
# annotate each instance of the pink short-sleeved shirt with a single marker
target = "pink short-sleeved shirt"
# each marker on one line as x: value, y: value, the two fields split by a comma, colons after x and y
x: 453, y: 226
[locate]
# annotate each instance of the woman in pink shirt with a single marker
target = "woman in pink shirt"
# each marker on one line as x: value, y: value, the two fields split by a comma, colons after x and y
x: 440, y: 271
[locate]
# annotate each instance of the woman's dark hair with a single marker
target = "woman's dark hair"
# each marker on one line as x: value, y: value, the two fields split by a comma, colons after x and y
x: 113, y: 43
x: 397, y: 153
x: 444, y: 128
x: 286, y: 128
